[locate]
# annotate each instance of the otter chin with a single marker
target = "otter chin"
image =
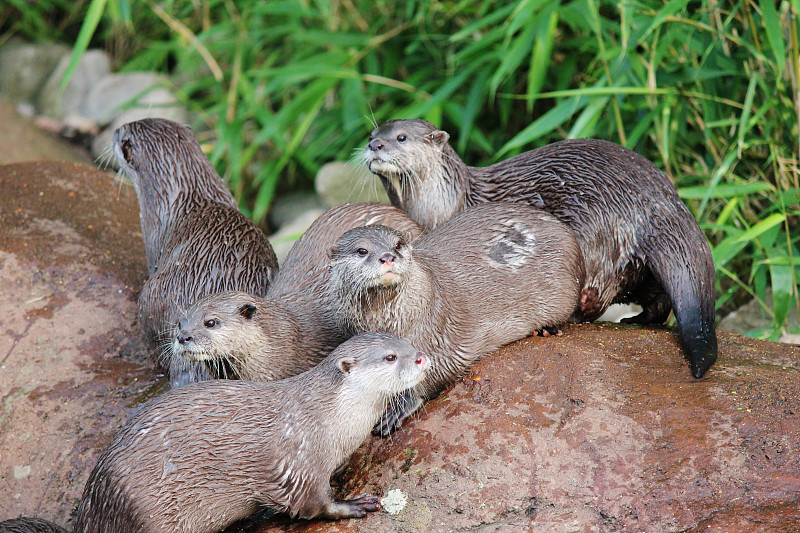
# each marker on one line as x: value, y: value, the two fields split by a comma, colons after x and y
x: 390, y: 279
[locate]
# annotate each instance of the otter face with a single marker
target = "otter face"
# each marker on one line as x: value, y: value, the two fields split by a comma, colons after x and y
x: 216, y: 328
x: 370, y: 257
x: 390, y: 152
x: 381, y: 359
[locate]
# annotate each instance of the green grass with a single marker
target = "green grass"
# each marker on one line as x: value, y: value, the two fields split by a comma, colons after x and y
x: 706, y: 90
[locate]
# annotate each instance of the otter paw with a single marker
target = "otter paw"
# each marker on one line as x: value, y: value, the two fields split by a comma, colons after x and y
x: 548, y: 331
x: 357, y: 507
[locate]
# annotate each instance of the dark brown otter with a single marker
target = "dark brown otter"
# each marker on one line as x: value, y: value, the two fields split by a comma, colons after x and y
x: 293, y: 327
x: 30, y: 525
x: 201, y: 457
x: 639, y: 241
x: 490, y: 275
x: 196, y: 240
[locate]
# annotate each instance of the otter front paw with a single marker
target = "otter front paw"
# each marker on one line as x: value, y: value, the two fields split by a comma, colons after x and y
x: 548, y: 331
x: 357, y: 507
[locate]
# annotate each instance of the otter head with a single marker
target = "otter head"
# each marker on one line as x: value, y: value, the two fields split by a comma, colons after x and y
x: 421, y: 173
x: 379, y: 363
x: 164, y: 161
x: 220, y: 328
x: 370, y: 258
x: 394, y: 148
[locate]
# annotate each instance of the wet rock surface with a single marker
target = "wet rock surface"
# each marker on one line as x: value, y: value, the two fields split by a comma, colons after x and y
x: 602, y: 429
x: 72, y: 365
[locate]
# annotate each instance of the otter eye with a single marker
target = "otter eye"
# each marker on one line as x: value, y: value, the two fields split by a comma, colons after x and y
x: 401, y: 138
x: 371, y: 135
x: 210, y: 323
x: 399, y: 246
x: 391, y: 357
x: 362, y: 251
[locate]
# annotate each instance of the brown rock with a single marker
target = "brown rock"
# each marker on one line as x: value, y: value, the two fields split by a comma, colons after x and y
x: 603, y: 429
x: 71, y: 361
x: 20, y: 140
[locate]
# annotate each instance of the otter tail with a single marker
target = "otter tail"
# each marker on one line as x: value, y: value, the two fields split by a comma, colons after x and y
x: 682, y: 262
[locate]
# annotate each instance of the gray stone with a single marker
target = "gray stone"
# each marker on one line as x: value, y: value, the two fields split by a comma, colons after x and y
x: 283, y: 240
x: 617, y: 312
x: 121, y: 98
x: 119, y: 91
x: 24, y: 68
x: 93, y: 66
x: 752, y: 316
x: 339, y: 183
x: 285, y: 208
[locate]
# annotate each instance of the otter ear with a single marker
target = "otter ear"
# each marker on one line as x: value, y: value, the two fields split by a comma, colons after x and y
x: 439, y: 137
x: 248, y: 311
x: 408, y: 237
x: 332, y: 252
x: 345, y: 364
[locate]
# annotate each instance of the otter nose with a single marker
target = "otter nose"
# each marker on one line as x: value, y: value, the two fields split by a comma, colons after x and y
x: 184, y: 337
x: 387, y: 259
x: 421, y: 359
x: 375, y: 145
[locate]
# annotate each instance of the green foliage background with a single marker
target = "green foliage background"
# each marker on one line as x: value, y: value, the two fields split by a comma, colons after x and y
x: 707, y: 90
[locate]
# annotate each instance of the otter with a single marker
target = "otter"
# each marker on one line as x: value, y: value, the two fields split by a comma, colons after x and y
x: 203, y: 456
x: 490, y: 275
x: 293, y: 327
x: 30, y: 525
x: 640, y: 243
x: 196, y: 240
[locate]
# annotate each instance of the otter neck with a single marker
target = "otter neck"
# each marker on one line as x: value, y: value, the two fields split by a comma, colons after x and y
x: 438, y: 191
x: 284, y: 341
x: 164, y: 202
x: 394, y: 309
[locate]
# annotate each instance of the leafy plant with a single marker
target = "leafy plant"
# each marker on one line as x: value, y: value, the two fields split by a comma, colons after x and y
x: 706, y: 90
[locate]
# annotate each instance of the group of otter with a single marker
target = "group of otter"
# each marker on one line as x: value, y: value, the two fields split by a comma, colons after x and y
x: 374, y: 306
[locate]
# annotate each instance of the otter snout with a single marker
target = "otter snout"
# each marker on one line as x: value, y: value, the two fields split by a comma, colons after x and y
x: 184, y: 337
x: 375, y: 145
x: 387, y: 259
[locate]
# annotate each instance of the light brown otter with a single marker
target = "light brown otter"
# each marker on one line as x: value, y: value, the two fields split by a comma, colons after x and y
x: 490, y: 275
x: 639, y: 241
x: 294, y: 326
x: 201, y: 457
x: 196, y: 240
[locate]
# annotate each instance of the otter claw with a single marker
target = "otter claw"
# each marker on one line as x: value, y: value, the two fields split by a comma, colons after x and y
x: 367, y: 502
x: 357, y: 507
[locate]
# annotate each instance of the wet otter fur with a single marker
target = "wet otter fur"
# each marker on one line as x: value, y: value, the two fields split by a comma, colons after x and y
x: 30, y: 525
x: 492, y: 274
x: 639, y: 241
x: 198, y: 458
x: 293, y: 327
x: 196, y: 240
